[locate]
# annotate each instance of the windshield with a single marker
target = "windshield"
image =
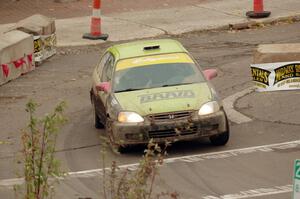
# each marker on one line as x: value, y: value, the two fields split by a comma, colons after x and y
x: 156, y: 75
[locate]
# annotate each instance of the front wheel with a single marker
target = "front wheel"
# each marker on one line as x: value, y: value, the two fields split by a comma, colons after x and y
x: 220, y: 140
x: 115, y: 147
x: 122, y: 149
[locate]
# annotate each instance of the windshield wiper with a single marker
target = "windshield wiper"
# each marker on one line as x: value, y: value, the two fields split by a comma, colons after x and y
x: 165, y: 85
x: 129, y: 89
x: 179, y: 84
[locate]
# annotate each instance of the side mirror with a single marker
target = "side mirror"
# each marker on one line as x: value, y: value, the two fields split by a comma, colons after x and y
x: 103, y: 86
x: 210, y: 73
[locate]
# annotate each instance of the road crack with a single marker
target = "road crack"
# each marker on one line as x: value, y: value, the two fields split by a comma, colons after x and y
x: 219, y: 11
x: 19, y: 153
x: 165, y: 32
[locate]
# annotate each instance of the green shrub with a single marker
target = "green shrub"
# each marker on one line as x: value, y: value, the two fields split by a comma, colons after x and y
x: 137, y: 184
x: 41, y: 168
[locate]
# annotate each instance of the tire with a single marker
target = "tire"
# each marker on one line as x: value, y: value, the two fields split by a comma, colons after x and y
x: 221, y: 139
x: 122, y: 149
x: 97, y: 122
x: 116, y: 148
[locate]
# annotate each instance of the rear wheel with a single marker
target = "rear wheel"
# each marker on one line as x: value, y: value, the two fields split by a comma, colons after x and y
x: 221, y: 139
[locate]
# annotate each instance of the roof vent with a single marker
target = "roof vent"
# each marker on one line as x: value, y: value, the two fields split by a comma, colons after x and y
x: 151, y: 47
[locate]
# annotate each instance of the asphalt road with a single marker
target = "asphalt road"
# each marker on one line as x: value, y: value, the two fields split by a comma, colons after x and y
x: 257, y: 162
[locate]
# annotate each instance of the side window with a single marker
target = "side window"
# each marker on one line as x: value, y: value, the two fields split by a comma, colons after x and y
x: 108, y: 69
x: 102, y: 63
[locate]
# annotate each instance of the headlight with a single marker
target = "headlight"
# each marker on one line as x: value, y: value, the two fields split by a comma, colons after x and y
x: 129, y: 117
x: 208, y: 108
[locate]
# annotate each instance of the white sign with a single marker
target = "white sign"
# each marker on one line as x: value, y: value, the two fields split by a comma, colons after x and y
x: 296, y: 194
x: 276, y: 76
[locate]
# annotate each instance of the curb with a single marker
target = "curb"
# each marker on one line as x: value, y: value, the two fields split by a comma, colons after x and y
x: 255, y: 23
x: 229, y: 102
x: 237, y: 26
x: 252, y: 23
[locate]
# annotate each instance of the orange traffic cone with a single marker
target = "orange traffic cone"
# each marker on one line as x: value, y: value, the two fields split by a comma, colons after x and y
x: 95, y: 32
x: 258, y: 10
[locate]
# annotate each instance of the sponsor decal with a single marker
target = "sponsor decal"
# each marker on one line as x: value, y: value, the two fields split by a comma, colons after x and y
x: 166, y: 95
x: 44, y: 47
x: 260, y: 75
x: 49, y: 41
x: 286, y: 72
x: 154, y: 59
x: 276, y: 76
x: 145, y: 60
x: 37, y: 44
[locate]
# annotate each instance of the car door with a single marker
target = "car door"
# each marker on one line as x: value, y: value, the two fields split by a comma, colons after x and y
x: 105, y: 76
x: 97, y: 80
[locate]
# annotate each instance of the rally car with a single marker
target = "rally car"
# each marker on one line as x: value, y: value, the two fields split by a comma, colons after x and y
x: 154, y: 89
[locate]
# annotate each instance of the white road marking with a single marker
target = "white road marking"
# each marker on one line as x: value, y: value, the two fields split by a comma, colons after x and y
x: 254, y: 193
x: 228, y: 104
x: 189, y: 158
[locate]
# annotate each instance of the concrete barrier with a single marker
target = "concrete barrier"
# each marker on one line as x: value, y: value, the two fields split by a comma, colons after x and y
x: 36, y: 25
x: 43, y: 30
x: 16, y: 55
x: 271, y: 53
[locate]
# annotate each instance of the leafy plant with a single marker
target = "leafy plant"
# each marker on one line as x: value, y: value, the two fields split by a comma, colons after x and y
x: 41, y: 168
x: 137, y: 184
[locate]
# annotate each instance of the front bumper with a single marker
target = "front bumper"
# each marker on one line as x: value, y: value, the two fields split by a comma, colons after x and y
x: 172, y: 130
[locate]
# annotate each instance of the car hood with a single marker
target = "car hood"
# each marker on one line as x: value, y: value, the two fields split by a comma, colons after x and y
x: 165, y: 99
